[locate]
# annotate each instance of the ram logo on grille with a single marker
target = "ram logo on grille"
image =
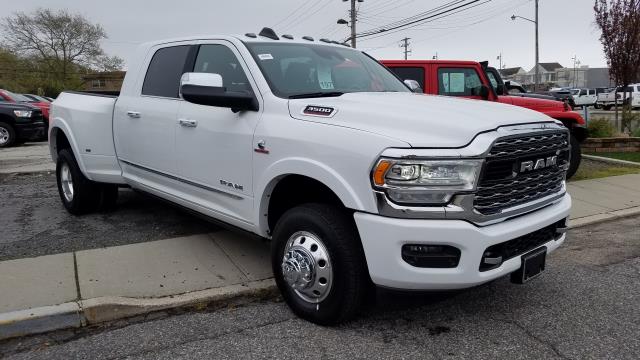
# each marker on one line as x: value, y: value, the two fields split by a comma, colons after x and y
x: 538, y: 164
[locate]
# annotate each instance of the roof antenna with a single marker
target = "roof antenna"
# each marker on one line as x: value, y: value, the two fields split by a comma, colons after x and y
x: 269, y: 33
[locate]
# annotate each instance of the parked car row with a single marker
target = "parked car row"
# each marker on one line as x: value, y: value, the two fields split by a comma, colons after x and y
x: 619, y: 96
x: 23, y: 117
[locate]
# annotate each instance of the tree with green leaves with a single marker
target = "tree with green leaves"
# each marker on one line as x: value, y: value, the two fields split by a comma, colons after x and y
x: 619, y: 21
x: 57, y: 45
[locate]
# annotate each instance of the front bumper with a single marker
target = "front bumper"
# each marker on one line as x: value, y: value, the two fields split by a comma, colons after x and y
x: 383, y: 237
x: 31, y: 131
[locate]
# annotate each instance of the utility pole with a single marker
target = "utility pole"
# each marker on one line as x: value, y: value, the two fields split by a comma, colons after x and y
x: 500, y: 58
x: 353, y: 13
x: 535, y: 22
x: 405, y: 45
x: 535, y: 86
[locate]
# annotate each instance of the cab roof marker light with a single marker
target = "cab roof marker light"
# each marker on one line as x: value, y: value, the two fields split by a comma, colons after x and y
x: 325, y: 40
x: 269, y: 33
x: 251, y: 35
x: 308, y: 38
x: 287, y: 36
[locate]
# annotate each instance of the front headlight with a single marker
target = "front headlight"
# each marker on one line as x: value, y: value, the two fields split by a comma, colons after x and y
x: 426, y: 182
x: 22, y: 113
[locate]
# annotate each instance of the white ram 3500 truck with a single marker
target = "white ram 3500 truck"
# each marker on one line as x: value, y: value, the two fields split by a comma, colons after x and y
x: 355, y: 179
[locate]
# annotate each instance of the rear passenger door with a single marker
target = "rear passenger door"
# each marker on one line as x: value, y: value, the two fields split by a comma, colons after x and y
x: 145, y: 118
x: 459, y: 81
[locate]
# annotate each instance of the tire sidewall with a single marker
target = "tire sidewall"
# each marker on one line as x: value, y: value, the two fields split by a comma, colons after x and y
x: 12, y: 134
x: 575, y: 156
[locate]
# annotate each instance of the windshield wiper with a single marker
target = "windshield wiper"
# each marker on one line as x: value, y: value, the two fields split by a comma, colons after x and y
x: 316, y: 95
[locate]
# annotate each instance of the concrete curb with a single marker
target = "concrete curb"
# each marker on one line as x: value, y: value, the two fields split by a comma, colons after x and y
x: 40, y: 320
x: 103, y: 309
x: 599, y: 218
x: 610, y: 160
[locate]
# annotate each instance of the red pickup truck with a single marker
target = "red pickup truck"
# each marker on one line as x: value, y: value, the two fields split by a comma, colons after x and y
x: 471, y: 79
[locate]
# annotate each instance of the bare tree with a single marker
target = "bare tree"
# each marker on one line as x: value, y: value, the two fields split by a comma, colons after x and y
x: 619, y: 21
x: 60, y: 40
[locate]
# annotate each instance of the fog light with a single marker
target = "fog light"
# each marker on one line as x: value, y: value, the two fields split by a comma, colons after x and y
x: 431, y: 256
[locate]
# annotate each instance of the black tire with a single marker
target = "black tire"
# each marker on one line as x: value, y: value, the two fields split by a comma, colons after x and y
x: 596, y: 106
x: 606, y: 107
x: 351, y: 283
x: 7, y: 135
x: 576, y: 157
x: 86, y: 194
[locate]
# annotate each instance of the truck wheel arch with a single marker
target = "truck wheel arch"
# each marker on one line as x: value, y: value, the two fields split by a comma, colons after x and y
x: 61, y: 138
x: 317, y: 184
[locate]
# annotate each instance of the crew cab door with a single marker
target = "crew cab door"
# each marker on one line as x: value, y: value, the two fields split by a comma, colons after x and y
x: 214, y: 145
x: 463, y: 81
x: 145, y: 118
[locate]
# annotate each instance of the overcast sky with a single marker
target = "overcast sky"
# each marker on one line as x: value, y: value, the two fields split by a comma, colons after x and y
x: 566, y: 26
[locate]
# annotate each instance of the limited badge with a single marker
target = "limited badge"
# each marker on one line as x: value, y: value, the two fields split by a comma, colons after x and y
x: 318, y: 110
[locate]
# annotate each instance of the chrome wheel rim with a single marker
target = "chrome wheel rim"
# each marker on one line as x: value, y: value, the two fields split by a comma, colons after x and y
x: 4, y: 136
x: 67, y: 182
x: 306, y: 267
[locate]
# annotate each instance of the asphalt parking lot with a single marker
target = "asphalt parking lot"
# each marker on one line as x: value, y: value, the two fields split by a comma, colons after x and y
x: 584, y: 307
x: 33, y: 221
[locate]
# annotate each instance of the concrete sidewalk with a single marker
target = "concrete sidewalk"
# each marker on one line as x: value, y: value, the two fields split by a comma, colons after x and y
x: 27, y: 158
x: 92, y: 286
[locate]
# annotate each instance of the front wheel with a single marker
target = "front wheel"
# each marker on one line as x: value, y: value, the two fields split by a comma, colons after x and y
x: 7, y: 135
x: 319, y: 264
x: 576, y: 156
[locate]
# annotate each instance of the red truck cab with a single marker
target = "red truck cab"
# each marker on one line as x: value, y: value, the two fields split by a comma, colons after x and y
x: 470, y: 79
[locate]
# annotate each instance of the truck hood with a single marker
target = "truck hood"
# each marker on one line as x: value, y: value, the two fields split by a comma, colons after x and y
x: 417, y: 119
x: 534, y: 103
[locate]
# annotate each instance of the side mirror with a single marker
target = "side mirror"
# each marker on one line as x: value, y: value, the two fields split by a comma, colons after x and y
x: 501, y: 90
x: 413, y: 85
x: 484, y: 92
x: 207, y: 89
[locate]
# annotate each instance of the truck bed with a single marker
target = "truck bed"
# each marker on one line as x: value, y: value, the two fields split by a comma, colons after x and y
x: 87, y: 121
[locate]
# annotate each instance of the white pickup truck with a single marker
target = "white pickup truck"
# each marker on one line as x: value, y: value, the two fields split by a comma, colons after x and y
x: 355, y: 179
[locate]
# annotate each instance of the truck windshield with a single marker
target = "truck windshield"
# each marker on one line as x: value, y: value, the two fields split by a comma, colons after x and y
x: 312, y: 70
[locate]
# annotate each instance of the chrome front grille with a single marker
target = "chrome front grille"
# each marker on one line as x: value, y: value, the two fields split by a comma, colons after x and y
x: 503, y: 185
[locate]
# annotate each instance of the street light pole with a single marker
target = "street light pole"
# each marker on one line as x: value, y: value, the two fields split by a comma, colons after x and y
x: 535, y: 85
x: 535, y: 22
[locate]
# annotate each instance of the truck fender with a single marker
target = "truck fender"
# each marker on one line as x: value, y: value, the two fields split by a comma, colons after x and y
x: 304, y: 167
x: 59, y: 124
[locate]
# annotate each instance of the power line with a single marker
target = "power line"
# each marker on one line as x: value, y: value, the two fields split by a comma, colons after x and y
x: 391, y: 29
x: 291, y: 13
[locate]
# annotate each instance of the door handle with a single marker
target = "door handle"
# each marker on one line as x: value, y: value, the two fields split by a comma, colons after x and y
x: 133, y: 114
x: 188, y: 122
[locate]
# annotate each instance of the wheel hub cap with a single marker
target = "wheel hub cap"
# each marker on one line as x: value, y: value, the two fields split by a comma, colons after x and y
x: 67, y: 182
x: 4, y: 136
x: 306, y: 267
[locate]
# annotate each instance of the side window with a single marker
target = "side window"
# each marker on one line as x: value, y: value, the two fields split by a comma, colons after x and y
x: 165, y: 70
x: 583, y: 92
x: 492, y: 80
x: 410, y: 73
x: 458, y: 82
x: 219, y: 59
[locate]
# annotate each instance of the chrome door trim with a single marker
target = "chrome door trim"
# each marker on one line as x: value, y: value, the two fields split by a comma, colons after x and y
x: 185, y: 181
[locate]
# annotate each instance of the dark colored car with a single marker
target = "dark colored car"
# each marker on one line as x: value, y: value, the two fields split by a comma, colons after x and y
x: 20, y: 123
x: 8, y: 96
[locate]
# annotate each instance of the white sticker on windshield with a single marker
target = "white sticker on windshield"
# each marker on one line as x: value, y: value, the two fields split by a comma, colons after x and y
x: 265, y: 56
x: 456, y: 82
x: 324, y: 77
